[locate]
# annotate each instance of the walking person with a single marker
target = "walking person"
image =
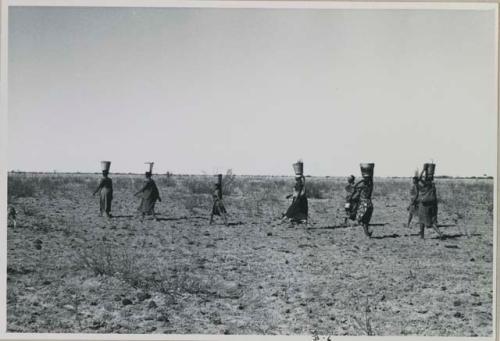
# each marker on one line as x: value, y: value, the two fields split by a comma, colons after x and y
x: 298, y: 212
x: 413, y: 207
x: 218, y: 207
x: 427, y: 200
x: 351, y: 200
x: 105, y: 190
x: 149, y: 194
x: 364, y: 189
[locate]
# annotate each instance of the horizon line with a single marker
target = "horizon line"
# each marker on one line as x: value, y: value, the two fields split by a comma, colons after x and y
x: 484, y: 176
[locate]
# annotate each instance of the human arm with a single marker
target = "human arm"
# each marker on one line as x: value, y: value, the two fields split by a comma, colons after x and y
x: 101, y: 185
x: 146, y: 185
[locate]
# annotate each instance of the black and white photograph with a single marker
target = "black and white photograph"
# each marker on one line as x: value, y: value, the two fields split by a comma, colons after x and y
x: 306, y: 168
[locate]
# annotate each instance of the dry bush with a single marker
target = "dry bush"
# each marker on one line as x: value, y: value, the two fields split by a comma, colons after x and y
x: 192, y: 203
x: 166, y: 181
x: 318, y: 189
x: 362, y: 321
x: 458, y: 198
x: 131, y: 183
x: 198, y: 185
x: 50, y: 185
x: 104, y: 259
x: 20, y: 187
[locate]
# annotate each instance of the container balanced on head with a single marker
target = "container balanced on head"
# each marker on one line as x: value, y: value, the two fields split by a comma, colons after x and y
x: 218, y: 207
x: 298, y: 212
x: 149, y: 193
x: 427, y: 200
x: 363, y: 189
x: 105, y: 190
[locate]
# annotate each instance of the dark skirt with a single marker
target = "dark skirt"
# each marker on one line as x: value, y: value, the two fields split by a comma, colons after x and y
x: 427, y: 213
x: 147, y: 205
x: 105, y: 198
x: 298, y: 210
x: 218, y: 208
x: 413, y: 209
x: 365, y: 211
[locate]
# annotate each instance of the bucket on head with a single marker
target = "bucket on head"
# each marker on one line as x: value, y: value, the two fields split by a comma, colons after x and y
x: 149, y: 168
x: 105, y: 165
x: 367, y: 169
x: 219, y: 179
x: 430, y: 169
x: 298, y: 168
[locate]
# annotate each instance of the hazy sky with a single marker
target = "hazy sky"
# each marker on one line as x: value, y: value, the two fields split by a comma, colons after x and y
x: 202, y: 90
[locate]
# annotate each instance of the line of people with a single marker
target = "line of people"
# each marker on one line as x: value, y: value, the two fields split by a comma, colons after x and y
x: 148, y: 193
x: 423, y: 202
x: 358, y: 202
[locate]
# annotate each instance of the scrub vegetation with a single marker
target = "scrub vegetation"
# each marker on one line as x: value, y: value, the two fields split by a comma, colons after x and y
x: 70, y: 270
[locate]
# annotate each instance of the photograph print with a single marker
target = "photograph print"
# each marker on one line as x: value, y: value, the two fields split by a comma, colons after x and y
x: 249, y: 168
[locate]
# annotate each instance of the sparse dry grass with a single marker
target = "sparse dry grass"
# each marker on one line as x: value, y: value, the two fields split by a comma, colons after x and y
x: 179, y: 275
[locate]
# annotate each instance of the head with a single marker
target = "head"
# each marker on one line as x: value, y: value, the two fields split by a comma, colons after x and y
x: 148, y: 175
x: 105, y: 173
x: 429, y: 177
x: 351, y: 179
x: 415, y: 179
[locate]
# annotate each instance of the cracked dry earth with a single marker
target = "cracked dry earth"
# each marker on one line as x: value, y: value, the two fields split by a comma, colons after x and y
x: 71, y: 271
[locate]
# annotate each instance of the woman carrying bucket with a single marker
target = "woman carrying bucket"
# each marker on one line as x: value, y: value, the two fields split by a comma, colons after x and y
x: 364, y: 189
x: 218, y: 207
x: 298, y: 210
x: 427, y: 200
x: 105, y: 190
x: 149, y: 193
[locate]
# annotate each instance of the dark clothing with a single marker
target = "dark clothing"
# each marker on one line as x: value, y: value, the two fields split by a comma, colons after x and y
x: 427, y: 203
x: 218, y: 208
x: 105, y: 190
x: 351, y: 201
x: 364, y: 188
x: 299, y: 209
x: 427, y: 213
x: 150, y: 194
x: 365, y: 211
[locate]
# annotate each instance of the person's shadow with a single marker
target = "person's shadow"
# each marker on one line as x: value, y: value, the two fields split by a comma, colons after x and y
x: 121, y: 216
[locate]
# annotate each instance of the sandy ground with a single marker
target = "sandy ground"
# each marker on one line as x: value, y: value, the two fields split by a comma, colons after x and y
x: 70, y: 270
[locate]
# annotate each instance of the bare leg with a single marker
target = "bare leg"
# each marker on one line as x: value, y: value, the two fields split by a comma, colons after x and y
x: 224, y: 218
x: 422, y: 231
x: 211, y: 219
x: 434, y: 226
x: 366, y: 229
x: 410, y: 217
